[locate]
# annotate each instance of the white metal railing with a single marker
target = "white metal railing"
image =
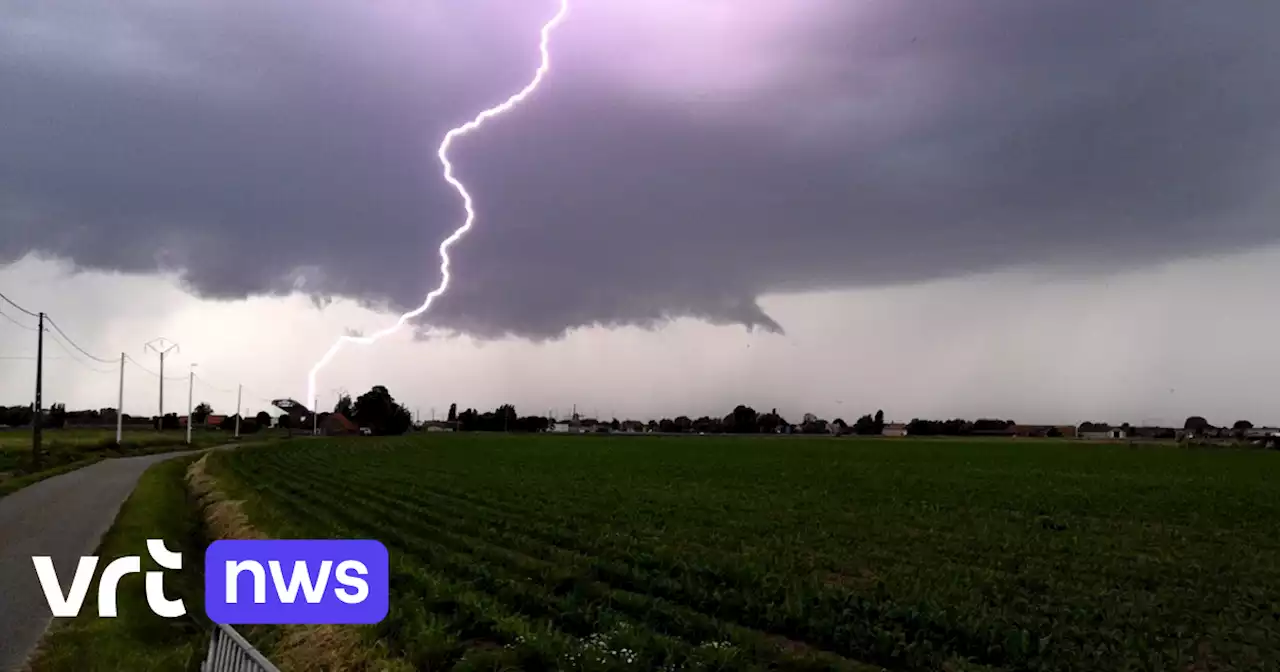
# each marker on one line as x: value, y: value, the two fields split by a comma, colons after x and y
x: 229, y: 652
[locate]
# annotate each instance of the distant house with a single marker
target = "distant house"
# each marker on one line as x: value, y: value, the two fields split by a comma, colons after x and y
x: 894, y: 429
x: 438, y: 426
x: 336, y: 424
x: 210, y: 421
x: 577, y: 426
x: 1098, y: 431
x: 632, y: 426
x: 1262, y: 433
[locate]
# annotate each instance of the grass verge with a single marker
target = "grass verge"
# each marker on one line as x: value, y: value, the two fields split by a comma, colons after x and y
x: 68, y: 449
x: 159, y: 508
x: 13, y: 484
x: 225, y: 504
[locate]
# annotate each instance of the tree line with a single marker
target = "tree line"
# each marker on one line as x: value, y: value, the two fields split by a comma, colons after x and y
x: 742, y: 420
x: 378, y: 411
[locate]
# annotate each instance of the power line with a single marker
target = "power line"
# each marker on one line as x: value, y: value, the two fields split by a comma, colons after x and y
x: 73, y: 343
x: 214, y: 387
x: 10, y: 302
x: 17, y: 323
x: 153, y: 373
x: 77, y: 360
x: 249, y: 394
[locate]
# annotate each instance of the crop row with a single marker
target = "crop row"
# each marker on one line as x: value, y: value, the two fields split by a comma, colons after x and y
x: 498, y: 555
x: 814, y: 612
x: 560, y: 592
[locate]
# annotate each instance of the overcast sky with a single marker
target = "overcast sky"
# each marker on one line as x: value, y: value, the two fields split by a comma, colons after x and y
x: 1050, y: 211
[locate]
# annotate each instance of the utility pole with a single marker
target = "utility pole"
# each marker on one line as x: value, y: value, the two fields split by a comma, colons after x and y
x: 37, y: 419
x: 315, y: 418
x: 162, y: 346
x: 239, y: 394
x: 191, y: 387
x: 120, y: 404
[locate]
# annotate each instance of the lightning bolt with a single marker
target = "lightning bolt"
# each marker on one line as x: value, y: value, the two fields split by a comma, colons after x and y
x: 443, y: 154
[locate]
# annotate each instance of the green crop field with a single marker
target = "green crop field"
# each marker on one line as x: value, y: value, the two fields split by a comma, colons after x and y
x: 794, y: 553
x: 65, y: 449
x: 20, y: 439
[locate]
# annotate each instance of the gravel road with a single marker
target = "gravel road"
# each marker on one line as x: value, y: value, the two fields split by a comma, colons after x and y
x: 63, y: 517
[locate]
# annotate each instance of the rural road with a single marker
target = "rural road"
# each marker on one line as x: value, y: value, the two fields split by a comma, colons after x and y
x: 63, y: 517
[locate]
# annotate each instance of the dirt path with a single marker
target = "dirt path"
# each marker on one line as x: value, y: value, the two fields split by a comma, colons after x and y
x: 63, y: 517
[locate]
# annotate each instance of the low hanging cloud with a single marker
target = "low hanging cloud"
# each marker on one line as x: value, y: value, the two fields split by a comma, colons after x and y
x: 681, y: 160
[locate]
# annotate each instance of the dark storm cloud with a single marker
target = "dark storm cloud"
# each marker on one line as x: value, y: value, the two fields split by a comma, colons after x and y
x: 291, y: 146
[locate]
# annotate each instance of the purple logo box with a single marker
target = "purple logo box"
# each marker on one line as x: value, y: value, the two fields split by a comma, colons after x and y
x: 312, y: 581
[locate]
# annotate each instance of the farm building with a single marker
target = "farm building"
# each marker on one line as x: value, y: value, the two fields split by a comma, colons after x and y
x: 1102, y: 432
x: 576, y: 426
x: 209, y: 421
x: 336, y: 424
x: 894, y: 429
x: 299, y: 415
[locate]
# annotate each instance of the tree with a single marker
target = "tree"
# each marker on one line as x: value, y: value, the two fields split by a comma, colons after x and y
x: 879, y: 422
x: 249, y: 425
x: 866, y: 426
x: 1242, y: 424
x: 263, y: 419
x: 744, y: 420
x: 818, y: 426
x: 989, y: 425
x: 615, y: 425
x: 506, y: 418
x: 683, y: 424
x: 57, y: 416
x: 770, y: 422
x: 344, y: 406
x: 453, y: 413
x: 378, y: 410
x: 202, y: 412
x: 1196, y: 423
x: 532, y: 423
x: 813, y: 425
x: 17, y: 416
